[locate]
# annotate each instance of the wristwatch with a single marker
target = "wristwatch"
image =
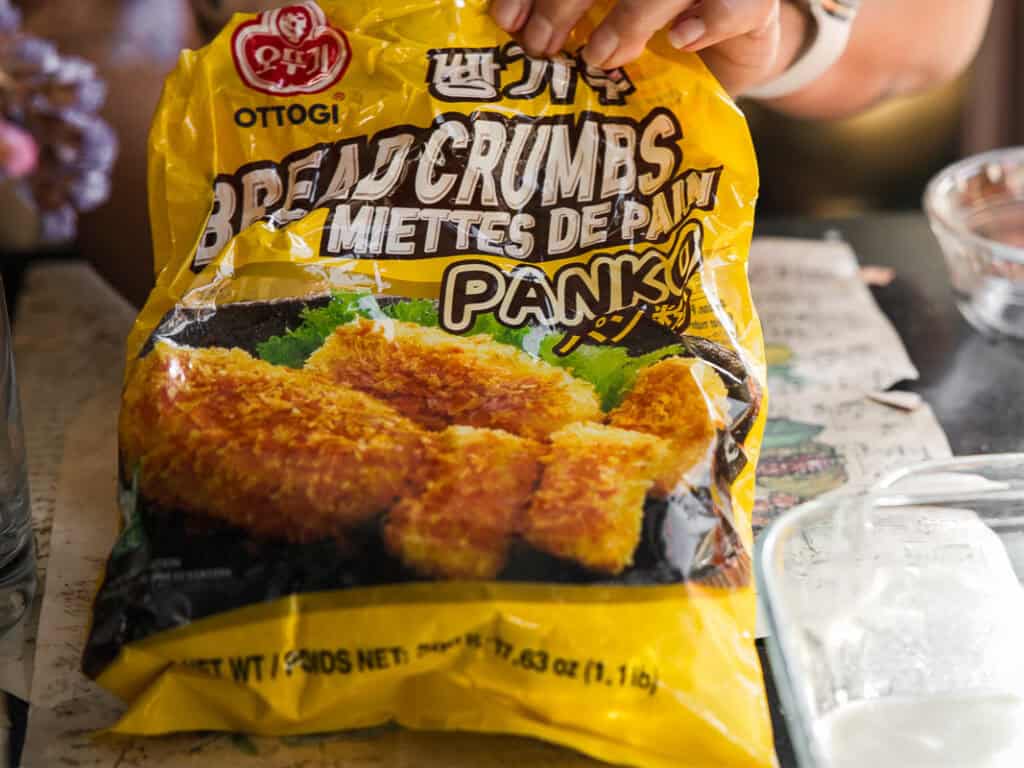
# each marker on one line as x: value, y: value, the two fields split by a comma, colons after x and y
x: 831, y: 21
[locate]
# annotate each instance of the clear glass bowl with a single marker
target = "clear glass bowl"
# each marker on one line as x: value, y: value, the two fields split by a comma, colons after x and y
x: 896, y: 618
x: 976, y: 210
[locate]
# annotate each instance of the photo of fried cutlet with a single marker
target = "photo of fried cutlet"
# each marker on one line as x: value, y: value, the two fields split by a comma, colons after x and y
x: 590, y: 503
x: 683, y: 401
x: 451, y: 457
x: 462, y: 525
x: 278, y: 452
x: 437, y: 379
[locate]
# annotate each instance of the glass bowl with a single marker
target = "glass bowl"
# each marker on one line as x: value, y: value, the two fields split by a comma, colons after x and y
x: 896, y: 618
x: 976, y: 210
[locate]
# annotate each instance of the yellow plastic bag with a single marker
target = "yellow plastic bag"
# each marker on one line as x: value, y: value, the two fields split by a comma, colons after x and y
x: 446, y: 405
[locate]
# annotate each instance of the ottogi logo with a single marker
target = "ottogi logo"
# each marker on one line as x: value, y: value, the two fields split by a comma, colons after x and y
x: 291, y: 50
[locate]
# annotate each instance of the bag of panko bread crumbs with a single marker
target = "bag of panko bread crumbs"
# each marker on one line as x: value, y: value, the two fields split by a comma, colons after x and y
x: 445, y: 408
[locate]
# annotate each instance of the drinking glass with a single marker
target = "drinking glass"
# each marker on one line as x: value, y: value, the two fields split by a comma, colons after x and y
x: 896, y: 619
x: 17, y: 544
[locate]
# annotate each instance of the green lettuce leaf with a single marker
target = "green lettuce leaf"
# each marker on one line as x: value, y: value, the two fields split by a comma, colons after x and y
x: 294, y: 347
x: 489, y: 325
x: 418, y: 311
x: 611, y: 370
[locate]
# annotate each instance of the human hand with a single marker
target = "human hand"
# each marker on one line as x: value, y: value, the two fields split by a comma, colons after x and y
x: 738, y: 39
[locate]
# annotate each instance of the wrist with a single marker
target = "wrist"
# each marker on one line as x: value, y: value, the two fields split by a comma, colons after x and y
x: 813, y: 36
x: 796, y: 28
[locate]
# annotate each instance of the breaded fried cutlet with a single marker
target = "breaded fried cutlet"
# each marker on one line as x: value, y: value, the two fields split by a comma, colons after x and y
x: 681, y: 400
x: 590, y: 502
x: 273, y: 450
x: 437, y: 379
x: 461, y: 525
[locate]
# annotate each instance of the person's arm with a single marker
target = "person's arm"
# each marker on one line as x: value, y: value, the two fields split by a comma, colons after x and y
x: 896, y: 48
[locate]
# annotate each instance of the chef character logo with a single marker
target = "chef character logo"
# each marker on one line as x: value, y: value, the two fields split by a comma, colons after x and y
x: 290, y: 50
x: 294, y: 25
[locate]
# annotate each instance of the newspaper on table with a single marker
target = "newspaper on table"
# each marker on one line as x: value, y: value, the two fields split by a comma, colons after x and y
x: 832, y: 357
x: 831, y: 352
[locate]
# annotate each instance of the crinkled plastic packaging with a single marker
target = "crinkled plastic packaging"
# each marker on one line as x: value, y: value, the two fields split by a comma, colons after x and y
x: 445, y: 407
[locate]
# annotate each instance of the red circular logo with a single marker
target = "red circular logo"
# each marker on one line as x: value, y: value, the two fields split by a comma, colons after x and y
x: 290, y: 50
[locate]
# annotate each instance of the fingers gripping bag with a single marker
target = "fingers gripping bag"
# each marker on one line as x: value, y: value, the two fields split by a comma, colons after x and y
x: 445, y: 407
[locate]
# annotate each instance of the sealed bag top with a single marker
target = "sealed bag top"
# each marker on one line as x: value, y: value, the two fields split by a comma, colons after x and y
x: 369, y: 154
x: 430, y: 310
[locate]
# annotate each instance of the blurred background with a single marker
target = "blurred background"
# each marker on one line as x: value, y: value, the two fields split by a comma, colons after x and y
x: 877, y: 161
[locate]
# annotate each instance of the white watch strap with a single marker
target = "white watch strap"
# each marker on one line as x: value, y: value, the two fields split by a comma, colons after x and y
x: 832, y: 20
